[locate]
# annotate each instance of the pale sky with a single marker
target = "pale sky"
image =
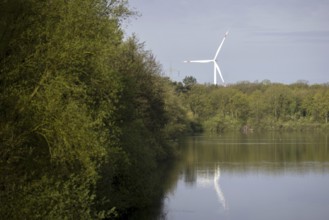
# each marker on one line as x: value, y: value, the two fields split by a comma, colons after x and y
x: 279, y: 40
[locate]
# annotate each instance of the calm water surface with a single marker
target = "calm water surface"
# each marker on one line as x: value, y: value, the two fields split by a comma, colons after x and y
x: 250, y: 176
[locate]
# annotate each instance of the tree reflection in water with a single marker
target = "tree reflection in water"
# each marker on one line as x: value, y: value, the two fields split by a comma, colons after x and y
x: 275, y: 168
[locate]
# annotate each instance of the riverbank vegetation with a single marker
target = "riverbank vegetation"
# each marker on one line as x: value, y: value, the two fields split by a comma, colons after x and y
x: 85, y: 115
x: 250, y: 106
x: 87, y: 120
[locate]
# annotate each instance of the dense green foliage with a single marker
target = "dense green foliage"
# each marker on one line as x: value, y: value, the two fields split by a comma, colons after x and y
x: 256, y: 106
x: 85, y: 116
x: 87, y: 119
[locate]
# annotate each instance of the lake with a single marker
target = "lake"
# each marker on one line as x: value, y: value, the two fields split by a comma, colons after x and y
x: 249, y: 176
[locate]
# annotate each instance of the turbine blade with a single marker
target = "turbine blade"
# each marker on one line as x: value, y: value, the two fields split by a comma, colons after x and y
x: 220, y: 74
x: 198, y: 61
x: 220, y: 46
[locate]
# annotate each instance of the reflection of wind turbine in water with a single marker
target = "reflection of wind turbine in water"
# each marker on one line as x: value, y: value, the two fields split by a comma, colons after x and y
x: 218, y: 189
x: 206, y: 179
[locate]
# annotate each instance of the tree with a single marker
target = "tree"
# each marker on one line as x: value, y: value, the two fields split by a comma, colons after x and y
x: 189, y: 81
x: 278, y: 98
x: 256, y: 106
x: 59, y: 106
x: 240, y: 106
x: 321, y: 104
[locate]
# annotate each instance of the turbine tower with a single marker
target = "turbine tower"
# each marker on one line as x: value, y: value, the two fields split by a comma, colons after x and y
x: 216, y: 67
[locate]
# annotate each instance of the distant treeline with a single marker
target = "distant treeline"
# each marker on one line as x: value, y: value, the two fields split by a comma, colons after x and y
x: 86, y: 118
x: 256, y: 106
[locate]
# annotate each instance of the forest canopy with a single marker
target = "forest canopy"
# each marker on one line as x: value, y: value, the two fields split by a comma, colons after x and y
x: 256, y: 106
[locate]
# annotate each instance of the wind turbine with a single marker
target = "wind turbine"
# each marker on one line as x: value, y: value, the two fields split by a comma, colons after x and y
x: 216, y: 67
